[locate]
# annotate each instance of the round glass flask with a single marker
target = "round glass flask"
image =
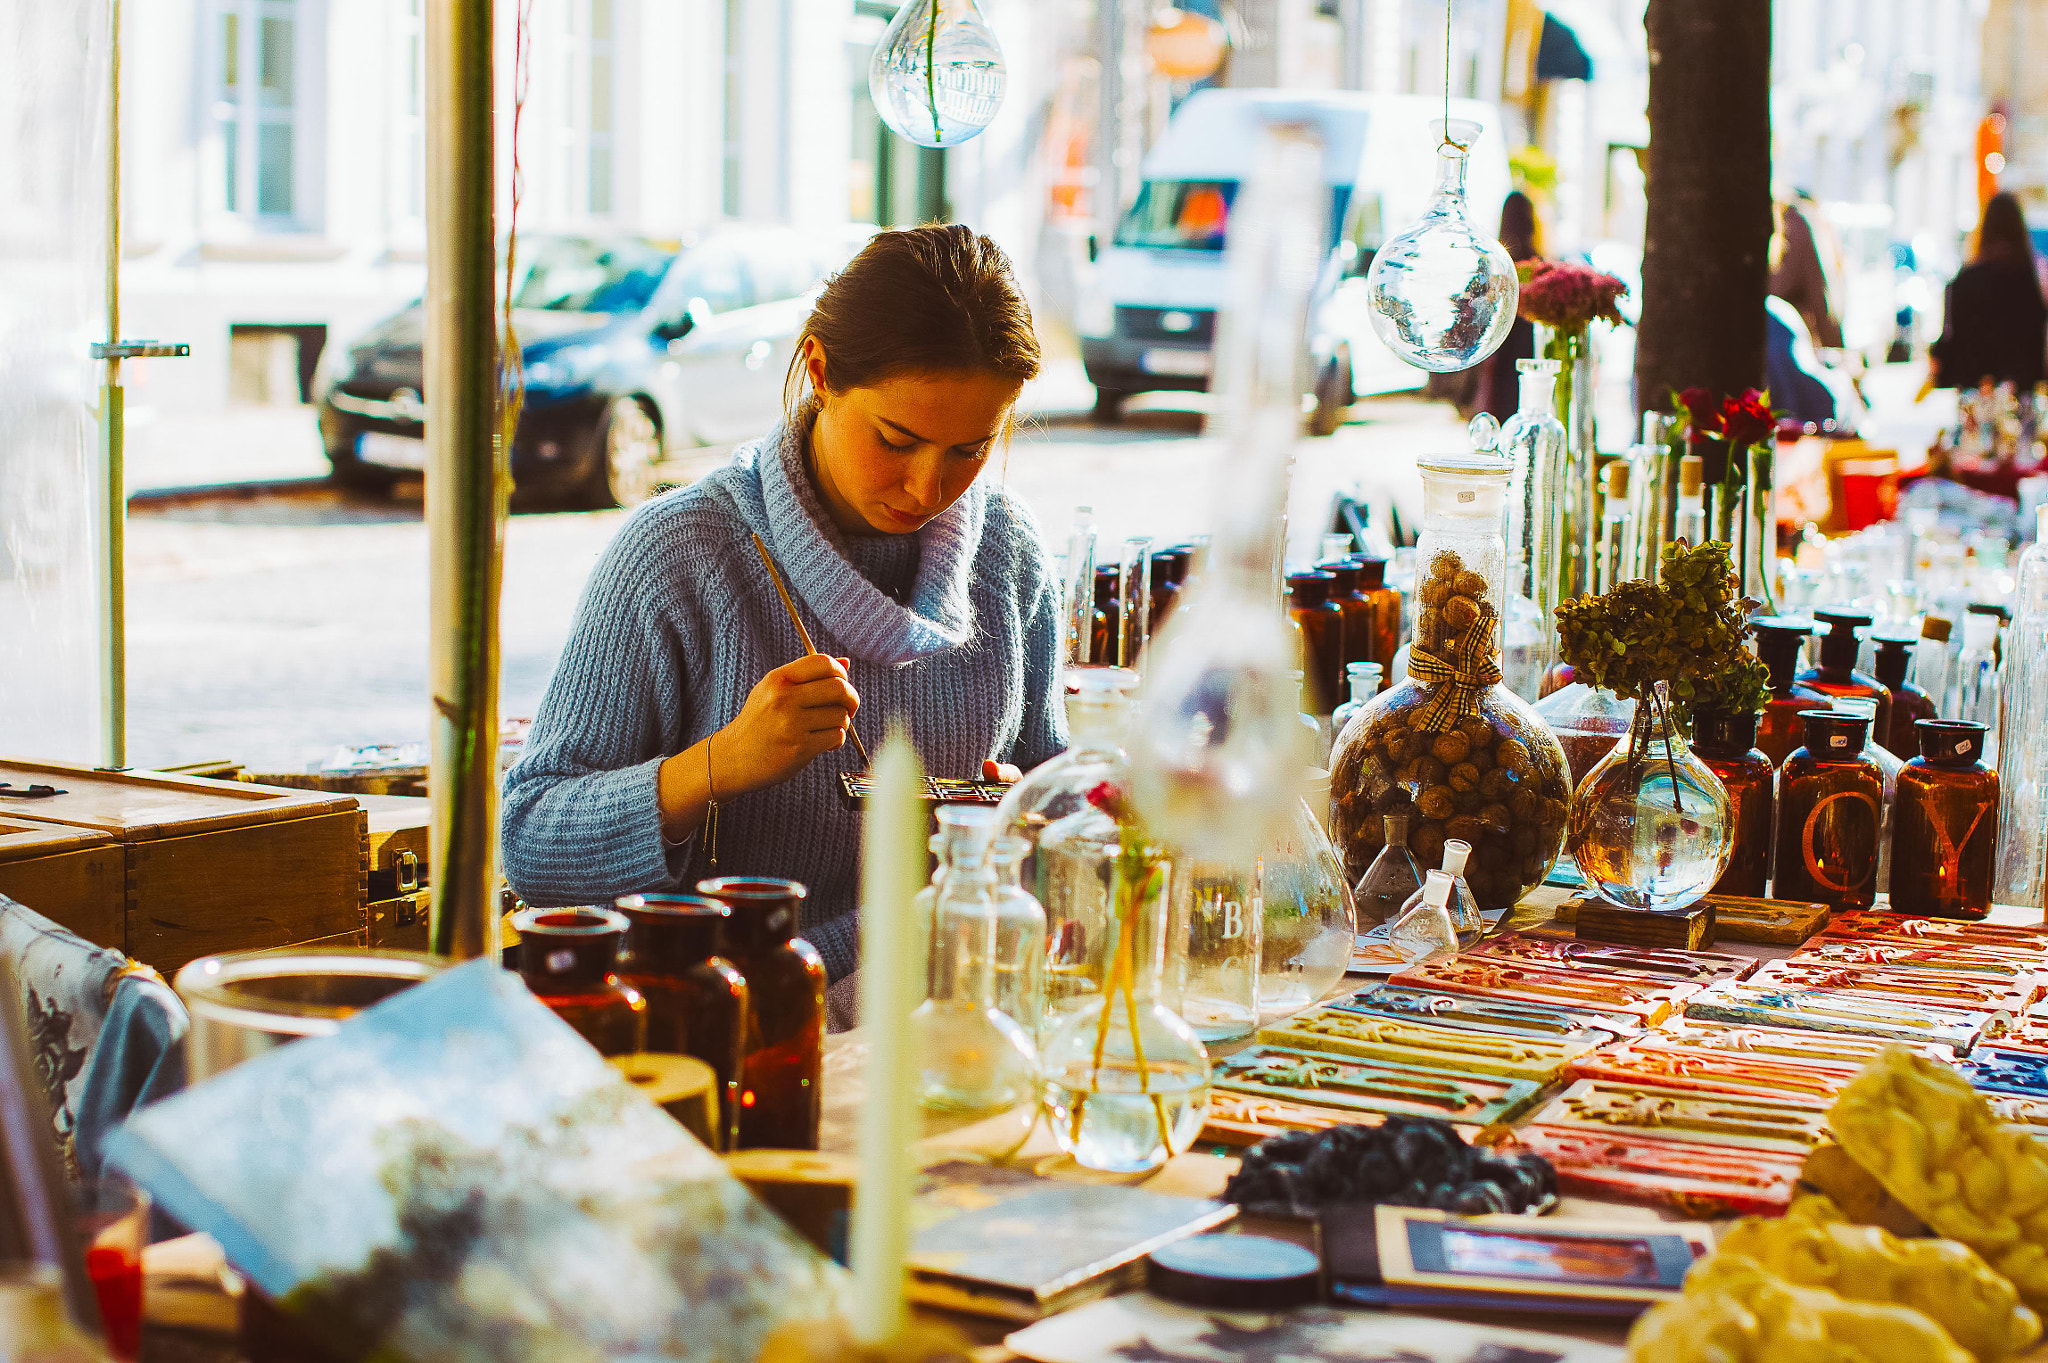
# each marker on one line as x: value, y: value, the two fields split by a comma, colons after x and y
x: 937, y: 76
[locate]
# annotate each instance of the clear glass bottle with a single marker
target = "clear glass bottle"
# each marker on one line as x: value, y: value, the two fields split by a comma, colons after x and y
x: 1727, y: 744
x: 1364, y: 681
x: 1910, y: 704
x: 1651, y: 826
x: 569, y: 959
x: 1126, y: 1079
x: 696, y: 999
x: 1322, y: 638
x: 2023, y: 719
x: 1973, y: 691
x: 1944, y: 826
x: 1422, y: 930
x: 1078, y: 576
x: 977, y: 1085
x: 781, y: 1078
x: 1889, y: 767
x: 1442, y: 295
x: 1837, y: 674
x: 1218, y: 911
x: 1615, y: 564
x: 1454, y: 749
x: 1073, y: 840
x: 1307, y: 918
x: 1533, y: 441
x: 1830, y: 813
x: 1387, y: 616
x: 1392, y: 879
x: 1930, y: 659
x: 1778, y: 642
x: 1465, y: 917
x: 1692, y: 508
x: 1020, y: 938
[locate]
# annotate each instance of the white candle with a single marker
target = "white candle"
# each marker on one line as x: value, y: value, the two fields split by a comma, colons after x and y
x: 892, y: 870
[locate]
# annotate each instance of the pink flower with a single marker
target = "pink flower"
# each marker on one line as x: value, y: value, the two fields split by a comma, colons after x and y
x: 1566, y: 296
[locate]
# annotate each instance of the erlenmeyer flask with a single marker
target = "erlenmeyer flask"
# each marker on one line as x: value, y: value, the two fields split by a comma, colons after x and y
x: 1219, y: 755
x: 1442, y: 294
x: 937, y: 75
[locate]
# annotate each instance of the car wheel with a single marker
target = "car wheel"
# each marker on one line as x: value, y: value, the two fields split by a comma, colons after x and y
x: 629, y: 455
x: 1333, y: 395
x: 353, y: 475
x: 1109, y: 404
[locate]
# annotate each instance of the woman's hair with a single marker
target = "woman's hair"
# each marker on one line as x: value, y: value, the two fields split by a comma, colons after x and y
x: 1519, y: 232
x: 2002, y: 235
x: 937, y: 299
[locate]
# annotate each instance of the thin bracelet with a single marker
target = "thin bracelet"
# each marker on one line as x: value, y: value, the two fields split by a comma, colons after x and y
x: 710, y: 805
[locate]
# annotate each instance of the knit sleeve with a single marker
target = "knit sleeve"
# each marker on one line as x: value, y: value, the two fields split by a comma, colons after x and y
x: 581, y: 821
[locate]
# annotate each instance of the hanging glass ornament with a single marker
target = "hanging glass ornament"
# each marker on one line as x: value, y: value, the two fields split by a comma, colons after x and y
x: 937, y: 74
x: 1443, y: 295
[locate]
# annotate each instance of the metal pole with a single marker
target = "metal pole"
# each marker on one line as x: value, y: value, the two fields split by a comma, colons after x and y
x: 114, y: 493
x: 466, y: 479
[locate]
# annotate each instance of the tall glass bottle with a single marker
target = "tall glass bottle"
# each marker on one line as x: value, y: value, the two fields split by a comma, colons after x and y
x: 1078, y: 575
x: 1020, y: 938
x: 1614, y: 565
x: 1307, y: 919
x: 1459, y: 753
x: 1910, y: 704
x: 1539, y: 489
x: 1692, y: 509
x: 1364, y: 681
x: 977, y: 1084
x: 1348, y: 596
x: 696, y: 999
x: 1889, y: 767
x: 1930, y: 659
x: 1837, y: 674
x: 569, y: 959
x: 1944, y: 826
x: 1778, y: 642
x: 1385, y: 640
x: 780, y: 1077
x: 1167, y: 566
x: 1322, y: 638
x: 1973, y: 691
x: 1391, y: 880
x: 1727, y: 744
x: 2023, y: 719
x: 1830, y: 813
x: 1217, y: 987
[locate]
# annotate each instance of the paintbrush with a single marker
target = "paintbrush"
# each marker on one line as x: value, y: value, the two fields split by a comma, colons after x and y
x: 810, y: 649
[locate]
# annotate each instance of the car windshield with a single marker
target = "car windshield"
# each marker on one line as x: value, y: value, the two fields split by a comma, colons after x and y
x: 1194, y: 215
x: 569, y: 275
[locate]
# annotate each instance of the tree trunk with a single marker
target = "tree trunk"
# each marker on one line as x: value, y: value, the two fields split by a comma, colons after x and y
x: 1706, y: 240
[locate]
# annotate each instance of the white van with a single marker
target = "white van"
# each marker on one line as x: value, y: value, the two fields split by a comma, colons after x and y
x: 1147, y: 316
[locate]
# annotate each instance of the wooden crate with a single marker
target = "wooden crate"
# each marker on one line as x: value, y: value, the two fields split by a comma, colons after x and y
x: 212, y: 866
x: 74, y: 876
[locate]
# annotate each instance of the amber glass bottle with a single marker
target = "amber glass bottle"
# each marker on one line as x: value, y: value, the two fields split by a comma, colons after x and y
x: 1106, y: 627
x: 696, y: 999
x: 1910, y: 704
x: 1344, y: 591
x: 567, y: 958
x: 1945, y: 824
x: 1830, y: 810
x: 781, y: 1072
x: 1727, y: 744
x: 1165, y: 587
x: 1778, y: 640
x: 1837, y: 674
x: 1386, y: 616
x: 1322, y: 638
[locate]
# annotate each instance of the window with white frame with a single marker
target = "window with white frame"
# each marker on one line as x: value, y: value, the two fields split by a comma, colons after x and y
x: 584, y: 145
x: 258, y: 108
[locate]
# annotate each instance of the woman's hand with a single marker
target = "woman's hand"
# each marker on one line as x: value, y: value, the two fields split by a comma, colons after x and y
x: 992, y: 770
x: 794, y: 713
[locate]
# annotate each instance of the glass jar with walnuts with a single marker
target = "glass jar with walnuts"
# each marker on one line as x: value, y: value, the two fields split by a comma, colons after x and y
x: 1450, y: 747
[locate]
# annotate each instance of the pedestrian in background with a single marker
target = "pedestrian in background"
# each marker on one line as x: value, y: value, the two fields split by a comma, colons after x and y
x: 1499, y: 383
x: 1995, y: 323
x: 1798, y: 273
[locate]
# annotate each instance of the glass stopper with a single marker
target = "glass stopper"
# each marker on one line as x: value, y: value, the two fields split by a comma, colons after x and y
x: 1443, y: 295
x: 1484, y: 433
x: 937, y: 75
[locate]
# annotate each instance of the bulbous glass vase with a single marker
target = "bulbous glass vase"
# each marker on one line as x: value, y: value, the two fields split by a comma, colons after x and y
x: 1651, y: 826
x: 1443, y: 295
x: 937, y: 76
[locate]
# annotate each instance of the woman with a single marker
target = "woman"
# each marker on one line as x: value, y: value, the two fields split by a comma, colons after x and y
x: 1995, y: 322
x: 1500, y: 383
x: 686, y: 734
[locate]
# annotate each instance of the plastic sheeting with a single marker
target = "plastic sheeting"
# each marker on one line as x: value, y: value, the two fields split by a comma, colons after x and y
x: 53, y: 74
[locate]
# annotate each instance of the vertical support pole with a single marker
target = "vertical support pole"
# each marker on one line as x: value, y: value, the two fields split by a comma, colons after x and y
x: 113, y: 585
x: 1109, y: 131
x: 466, y: 480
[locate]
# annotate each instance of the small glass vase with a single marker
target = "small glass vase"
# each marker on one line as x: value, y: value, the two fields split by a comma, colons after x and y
x: 1650, y: 826
x: 1539, y: 495
x: 1572, y: 348
x: 1588, y: 721
x: 1391, y: 880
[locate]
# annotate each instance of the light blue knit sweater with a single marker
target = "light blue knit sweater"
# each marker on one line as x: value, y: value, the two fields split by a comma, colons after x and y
x: 953, y: 632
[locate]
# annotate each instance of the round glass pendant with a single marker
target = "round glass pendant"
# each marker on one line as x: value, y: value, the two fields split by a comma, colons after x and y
x: 937, y: 74
x: 1443, y: 295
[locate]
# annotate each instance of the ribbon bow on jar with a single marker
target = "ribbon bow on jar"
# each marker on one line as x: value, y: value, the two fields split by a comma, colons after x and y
x: 1471, y: 671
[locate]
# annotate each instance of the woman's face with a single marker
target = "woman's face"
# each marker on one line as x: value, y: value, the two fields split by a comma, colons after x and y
x: 890, y: 457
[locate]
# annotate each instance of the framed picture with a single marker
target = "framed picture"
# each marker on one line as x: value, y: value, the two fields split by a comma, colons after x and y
x: 1514, y: 1254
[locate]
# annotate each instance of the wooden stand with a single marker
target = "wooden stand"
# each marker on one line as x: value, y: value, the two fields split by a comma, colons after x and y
x: 1689, y: 929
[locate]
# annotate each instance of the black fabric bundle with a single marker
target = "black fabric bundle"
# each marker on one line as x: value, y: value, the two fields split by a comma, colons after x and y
x: 1404, y: 1161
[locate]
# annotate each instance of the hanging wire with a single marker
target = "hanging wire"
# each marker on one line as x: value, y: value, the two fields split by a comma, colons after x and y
x: 511, y: 360
x: 1447, y: 75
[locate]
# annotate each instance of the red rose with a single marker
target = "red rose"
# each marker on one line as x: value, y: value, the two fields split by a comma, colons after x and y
x: 1747, y: 419
x: 1105, y: 796
x: 1703, y: 412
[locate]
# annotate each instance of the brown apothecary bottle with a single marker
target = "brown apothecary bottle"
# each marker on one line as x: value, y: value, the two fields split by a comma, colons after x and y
x: 782, y: 1069
x: 1830, y: 811
x: 1727, y: 744
x: 1910, y: 704
x: 1945, y: 824
x: 1345, y: 593
x: 567, y: 958
x: 1386, y: 616
x: 1105, y: 631
x: 1837, y: 674
x: 1322, y: 638
x: 1778, y: 640
x: 696, y: 999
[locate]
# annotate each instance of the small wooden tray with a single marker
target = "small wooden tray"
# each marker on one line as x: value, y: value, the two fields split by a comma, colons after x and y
x: 1691, y: 1178
x: 1862, y: 923
x: 1995, y: 1069
x: 1559, y: 953
x: 1652, y: 1060
x: 1516, y: 1017
x: 1687, y: 929
x: 1353, y: 1084
x: 1909, y: 986
x: 1649, y: 1000
x: 1787, y: 1124
x: 1830, y: 1011
x: 1539, y: 1060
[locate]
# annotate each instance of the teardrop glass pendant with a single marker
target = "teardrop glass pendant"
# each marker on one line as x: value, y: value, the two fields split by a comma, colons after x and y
x: 1443, y: 295
x: 937, y: 74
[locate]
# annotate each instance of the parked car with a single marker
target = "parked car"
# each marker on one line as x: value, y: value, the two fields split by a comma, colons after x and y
x: 1147, y: 316
x: 632, y: 350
